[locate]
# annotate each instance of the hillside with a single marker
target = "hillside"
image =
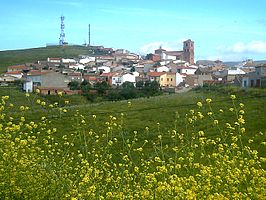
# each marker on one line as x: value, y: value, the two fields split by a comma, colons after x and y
x: 204, y: 144
x: 15, y: 57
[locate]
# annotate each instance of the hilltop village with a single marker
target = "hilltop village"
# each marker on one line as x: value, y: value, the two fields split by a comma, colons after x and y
x: 174, y: 71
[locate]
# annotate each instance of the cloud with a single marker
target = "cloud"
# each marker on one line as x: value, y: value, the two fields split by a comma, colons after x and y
x: 169, y: 46
x: 253, y: 47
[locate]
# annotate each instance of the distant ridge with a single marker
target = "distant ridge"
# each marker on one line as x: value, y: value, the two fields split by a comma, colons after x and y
x: 229, y: 63
x: 22, y: 56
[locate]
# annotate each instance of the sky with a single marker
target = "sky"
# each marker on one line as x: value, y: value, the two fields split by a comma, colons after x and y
x: 228, y: 30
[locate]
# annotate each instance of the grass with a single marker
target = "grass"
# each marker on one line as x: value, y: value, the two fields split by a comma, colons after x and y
x: 149, y: 148
x: 147, y: 112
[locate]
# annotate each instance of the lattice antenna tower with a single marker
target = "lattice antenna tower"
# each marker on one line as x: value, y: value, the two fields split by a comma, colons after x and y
x: 62, y: 34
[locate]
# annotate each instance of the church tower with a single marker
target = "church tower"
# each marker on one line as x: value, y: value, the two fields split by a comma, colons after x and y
x: 188, y: 51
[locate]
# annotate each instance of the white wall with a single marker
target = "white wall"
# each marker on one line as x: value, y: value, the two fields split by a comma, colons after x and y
x: 28, y: 86
x: 163, y: 69
x: 179, y: 79
x: 116, y: 80
x: 104, y: 69
x: 128, y: 77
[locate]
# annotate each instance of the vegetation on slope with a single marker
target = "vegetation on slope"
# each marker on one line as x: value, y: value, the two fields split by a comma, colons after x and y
x: 196, y: 145
x: 16, y: 57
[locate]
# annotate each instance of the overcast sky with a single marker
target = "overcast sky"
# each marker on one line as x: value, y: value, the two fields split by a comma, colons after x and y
x: 221, y: 29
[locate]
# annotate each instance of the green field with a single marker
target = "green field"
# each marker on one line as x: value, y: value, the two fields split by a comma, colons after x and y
x: 17, y: 57
x: 151, y: 148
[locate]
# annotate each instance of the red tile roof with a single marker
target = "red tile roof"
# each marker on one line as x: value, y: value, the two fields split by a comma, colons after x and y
x: 14, y: 72
x: 107, y: 74
x: 37, y: 72
x: 74, y: 74
x: 155, y: 74
x: 184, y: 67
x: 17, y: 67
x: 174, y: 53
x: 90, y: 78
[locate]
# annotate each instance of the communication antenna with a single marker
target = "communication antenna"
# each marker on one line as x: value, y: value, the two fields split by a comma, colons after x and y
x: 62, y: 34
x: 89, y: 43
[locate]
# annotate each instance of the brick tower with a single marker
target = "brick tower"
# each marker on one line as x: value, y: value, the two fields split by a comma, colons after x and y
x: 188, y: 51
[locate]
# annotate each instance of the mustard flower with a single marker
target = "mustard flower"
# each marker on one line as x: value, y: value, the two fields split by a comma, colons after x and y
x: 208, y: 101
x: 38, y: 91
x: 233, y: 97
x: 199, y: 104
x: 250, y: 141
x: 27, y: 94
x: 241, y: 120
x: 231, y: 109
x: 242, y: 130
x: 242, y: 112
x: 5, y: 97
x: 60, y: 94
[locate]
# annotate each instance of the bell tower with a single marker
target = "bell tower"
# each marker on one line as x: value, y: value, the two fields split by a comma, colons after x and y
x: 188, y: 51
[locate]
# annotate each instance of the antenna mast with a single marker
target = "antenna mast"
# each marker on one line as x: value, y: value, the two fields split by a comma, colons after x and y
x: 62, y: 34
x: 89, y: 36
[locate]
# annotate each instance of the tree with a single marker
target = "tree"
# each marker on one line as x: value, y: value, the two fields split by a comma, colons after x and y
x: 74, y: 85
x: 151, y: 88
x: 132, y: 69
x: 102, y: 87
x: 128, y: 90
x: 85, y: 86
x: 128, y: 85
x: 140, y: 85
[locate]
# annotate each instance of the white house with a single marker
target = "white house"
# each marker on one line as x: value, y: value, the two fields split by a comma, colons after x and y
x: 104, y: 69
x: 179, y: 78
x: 68, y: 60
x: 16, y: 74
x: 128, y: 78
x: 136, y: 74
x: 185, y: 70
x: 28, y: 86
x: 167, y: 56
x: 77, y: 66
x: 162, y: 69
x: 256, y: 78
x: 87, y: 60
x: 116, y: 80
x: 54, y: 60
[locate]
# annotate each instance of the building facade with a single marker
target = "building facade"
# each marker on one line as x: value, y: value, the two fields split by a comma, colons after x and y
x: 187, y: 54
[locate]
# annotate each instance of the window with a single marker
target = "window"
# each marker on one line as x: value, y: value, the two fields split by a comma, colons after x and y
x: 245, y: 83
x: 171, y: 79
x: 161, y: 79
x: 167, y: 79
x: 252, y: 83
